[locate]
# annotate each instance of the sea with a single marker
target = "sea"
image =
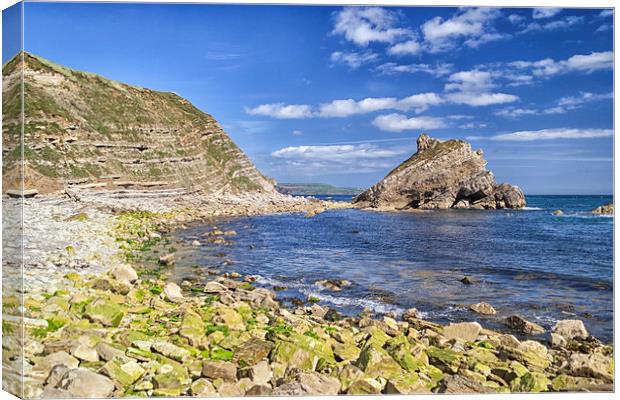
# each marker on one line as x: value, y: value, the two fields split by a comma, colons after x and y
x: 529, y: 262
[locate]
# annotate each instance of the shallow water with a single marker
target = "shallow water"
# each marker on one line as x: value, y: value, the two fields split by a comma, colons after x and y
x: 529, y: 262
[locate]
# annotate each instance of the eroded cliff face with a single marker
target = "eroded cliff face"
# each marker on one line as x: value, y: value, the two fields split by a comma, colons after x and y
x: 442, y: 174
x: 82, y: 130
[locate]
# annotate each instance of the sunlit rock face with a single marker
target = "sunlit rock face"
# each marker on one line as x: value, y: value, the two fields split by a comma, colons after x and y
x: 442, y: 174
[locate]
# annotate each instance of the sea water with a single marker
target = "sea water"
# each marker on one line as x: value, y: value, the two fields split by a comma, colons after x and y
x: 529, y: 262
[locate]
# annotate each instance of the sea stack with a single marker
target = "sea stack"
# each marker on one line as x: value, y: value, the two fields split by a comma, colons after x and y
x: 440, y: 175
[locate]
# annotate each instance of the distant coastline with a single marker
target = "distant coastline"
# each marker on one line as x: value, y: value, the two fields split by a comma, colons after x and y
x: 298, y: 189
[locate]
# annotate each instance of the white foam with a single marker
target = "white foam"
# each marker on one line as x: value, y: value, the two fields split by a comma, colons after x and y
x: 531, y: 209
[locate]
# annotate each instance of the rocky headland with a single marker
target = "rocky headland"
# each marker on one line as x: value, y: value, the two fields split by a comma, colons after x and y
x: 440, y: 175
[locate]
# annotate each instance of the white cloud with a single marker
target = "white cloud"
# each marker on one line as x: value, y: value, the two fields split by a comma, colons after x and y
x: 606, y: 13
x: 342, y: 153
x: 281, y: 110
x: 437, y: 70
x: 473, y: 24
x: 409, y: 47
x: 485, y: 38
x: 603, y: 28
x: 481, y: 99
x: 560, y: 24
x: 516, y: 18
x: 398, y: 123
x: 348, y: 107
x: 562, y: 106
x: 546, y: 12
x: 297, y: 132
x: 578, y: 63
x: 473, y: 80
x: 363, y: 25
x: 473, y: 125
x: 550, y: 134
x: 353, y: 59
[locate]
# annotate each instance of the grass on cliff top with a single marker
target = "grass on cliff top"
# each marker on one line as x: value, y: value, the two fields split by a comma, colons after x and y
x: 439, y: 149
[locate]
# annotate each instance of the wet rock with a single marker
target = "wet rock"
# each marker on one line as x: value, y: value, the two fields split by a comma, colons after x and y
x: 82, y: 382
x: 465, y: 280
x: 522, y: 325
x: 173, y: 293
x: 467, y: 331
x: 196, y: 243
x: 483, y: 308
x: 558, y: 212
x: 411, y: 313
x: 125, y: 274
x: 570, y: 329
x: 318, y: 311
x: 605, y: 209
x: 335, y: 285
x: 219, y: 370
x: 166, y: 259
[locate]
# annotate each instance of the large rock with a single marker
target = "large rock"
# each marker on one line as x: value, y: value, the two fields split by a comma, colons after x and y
x: 173, y: 293
x: 219, y: 370
x: 467, y: 331
x: 311, y: 383
x: 85, y: 383
x: 605, y: 209
x: 442, y: 174
x: 483, y: 308
x: 124, y: 273
x: 522, y: 325
x: 570, y: 329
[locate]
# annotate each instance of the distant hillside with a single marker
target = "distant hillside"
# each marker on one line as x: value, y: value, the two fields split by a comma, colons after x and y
x: 86, y: 130
x: 314, y: 188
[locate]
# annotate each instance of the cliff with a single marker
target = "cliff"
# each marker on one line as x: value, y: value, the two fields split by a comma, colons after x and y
x: 85, y: 131
x: 442, y: 174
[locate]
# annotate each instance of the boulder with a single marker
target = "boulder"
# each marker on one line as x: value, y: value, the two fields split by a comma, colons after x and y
x: 123, y: 372
x: 259, y: 390
x: 460, y: 384
x: 310, y: 383
x: 219, y: 370
x: 365, y: 386
x: 85, y: 353
x: 203, y: 388
x: 595, y: 365
x: 483, y: 308
x: 105, y: 312
x: 125, y: 274
x: 252, y: 351
x: 82, y: 382
x: 58, y: 358
x: 171, y: 350
x: 173, y: 293
x: 467, y: 331
x: 605, y: 209
x: 570, y: 329
x: 441, y: 174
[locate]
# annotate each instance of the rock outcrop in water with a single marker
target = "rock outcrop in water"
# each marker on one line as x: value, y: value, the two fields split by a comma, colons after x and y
x: 605, y: 209
x: 442, y: 174
x: 83, y: 131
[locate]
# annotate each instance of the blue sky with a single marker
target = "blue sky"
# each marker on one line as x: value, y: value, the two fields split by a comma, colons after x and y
x: 338, y: 95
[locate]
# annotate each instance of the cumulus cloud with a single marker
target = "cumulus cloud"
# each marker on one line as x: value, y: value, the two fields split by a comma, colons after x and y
x: 410, y: 47
x: 353, y: 59
x: 481, y: 99
x: 281, y: 110
x: 473, y: 87
x: 581, y: 63
x: 545, y: 12
x: 606, y: 13
x: 513, y: 112
x: 557, y: 25
x: 363, y: 25
x: 437, y: 70
x: 474, y: 25
x: 348, y: 107
x: 550, y: 134
x: 399, y: 122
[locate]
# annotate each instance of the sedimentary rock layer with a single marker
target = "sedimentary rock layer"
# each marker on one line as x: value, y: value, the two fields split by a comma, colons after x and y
x: 83, y: 129
x: 442, y: 174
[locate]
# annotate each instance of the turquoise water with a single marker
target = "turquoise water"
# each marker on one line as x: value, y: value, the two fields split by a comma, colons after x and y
x: 530, y: 262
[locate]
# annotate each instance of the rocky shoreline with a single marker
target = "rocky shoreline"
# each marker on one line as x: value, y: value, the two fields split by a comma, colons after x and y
x: 103, y: 319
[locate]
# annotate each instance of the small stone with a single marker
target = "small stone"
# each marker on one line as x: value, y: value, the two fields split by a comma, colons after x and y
x: 125, y: 373
x: 570, y: 329
x: 125, y: 274
x: 311, y: 383
x: 196, y: 243
x: 107, y: 351
x: 219, y: 369
x: 524, y: 326
x: 173, y: 293
x: 365, y: 386
x: 105, y: 312
x: 467, y: 331
x: 259, y: 390
x: 483, y: 308
x: 82, y: 382
x: 461, y: 384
